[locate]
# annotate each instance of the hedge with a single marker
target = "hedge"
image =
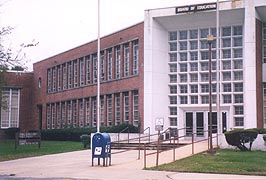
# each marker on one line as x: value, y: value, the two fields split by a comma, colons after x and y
x: 74, y: 134
x: 239, y: 138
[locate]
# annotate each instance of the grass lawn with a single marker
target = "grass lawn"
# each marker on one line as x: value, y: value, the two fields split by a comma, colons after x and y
x: 8, y: 152
x: 225, y: 162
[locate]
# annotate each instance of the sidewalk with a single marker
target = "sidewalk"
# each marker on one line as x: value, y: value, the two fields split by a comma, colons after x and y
x: 125, y: 166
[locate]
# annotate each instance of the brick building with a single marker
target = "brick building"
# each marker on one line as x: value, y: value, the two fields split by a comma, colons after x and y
x: 158, y: 69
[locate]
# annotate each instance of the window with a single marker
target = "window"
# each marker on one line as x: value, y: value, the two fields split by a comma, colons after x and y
x: 183, y: 89
x: 173, y: 78
x: 239, y: 121
x: 49, y: 81
x: 135, y: 57
x: 238, y: 75
x: 173, y: 121
x: 94, y: 112
x: 237, y: 30
x: 226, y: 42
x: 117, y: 109
x: 172, y: 36
x: 238, y: 87
x: 94, y: 60
x: 213, y: 65
x: 63, y: 107
x: 110, y: 64
x: 204, y: 99
x: 204, y: 88
x: 88, y: 70
x: 126, y: 59
x: 194, y: 99
x: 48, y: 116
x: 39, y: 82
x: 194, y: 88
x: 204, y: 55
x: 238, y: 64
x: 183, y: 78
x: 54, y: 79
x: 183, y: 56
x: 193, y: 77
x: 69, y: 74
x: 135, y: 108
x: 226, y: 54
x: 58, y: 115
x: 81, y: 113
x: 173, y: 99
x: 182, y: 45
x: 204, y: 77
x: 10, y: 108
x: 102, y: 67
x: 109, y: 110
x: 226, y: 31
x: 173, y: 89
x: 226, y: 65
x: 117, y: 62
x: 102, y: 117
x: 75, y: 73
x: 87, y: 112
x: 53, y: 116
x: 238, y: 53
x: 69, y: 113
x: 193, y: 66
x: 183, y: 99
x: 237, y: 41
x: 183, y: 67
x: 58, y: 78
x: 214, y: 88
x: 193, y: 34
x: 182, y: 35
x: 193, y: 56
x: 204, y: 33
x: 173, y: 67
x: 173, y: 57
x: 227, y: 99
x: 226, y: 76
x: 81, y: 71
x: 204, y: 66
x: 204, y: 44
x: 64, y: 76
x: 173, y: 46
x: 227, y: 87
x: 126, y: 108
x: 193, y: 45
x: 239, y: 110
x: 173, y: 110
x: 238, y: 98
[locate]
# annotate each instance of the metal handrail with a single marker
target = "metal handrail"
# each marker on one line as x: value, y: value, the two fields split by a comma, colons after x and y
x: 118, y: 138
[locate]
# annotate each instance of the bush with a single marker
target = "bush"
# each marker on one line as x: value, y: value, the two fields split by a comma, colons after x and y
x: 74, y: 134
x: 86, y: 140
x: 239, y: 138
x: 264, y: 137
x: 11, y: 132
x: 260, y: 130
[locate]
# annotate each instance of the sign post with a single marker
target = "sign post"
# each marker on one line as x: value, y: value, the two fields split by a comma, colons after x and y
x: 159, y: 122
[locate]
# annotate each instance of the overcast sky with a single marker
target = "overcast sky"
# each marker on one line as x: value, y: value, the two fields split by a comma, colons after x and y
x: 59, y: 25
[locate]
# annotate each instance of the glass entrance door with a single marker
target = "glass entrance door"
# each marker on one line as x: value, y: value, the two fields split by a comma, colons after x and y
x: 200, y: 123
x: 189, y: 123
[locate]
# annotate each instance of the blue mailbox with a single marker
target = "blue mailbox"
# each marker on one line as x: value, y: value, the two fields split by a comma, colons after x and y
x: 101, y: 147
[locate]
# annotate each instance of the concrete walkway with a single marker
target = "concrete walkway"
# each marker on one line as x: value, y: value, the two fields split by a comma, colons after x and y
x: 125, y: 166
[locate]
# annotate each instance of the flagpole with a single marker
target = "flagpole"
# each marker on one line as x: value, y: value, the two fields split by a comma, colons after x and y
x: 219, y: 124
x: 98, y: 72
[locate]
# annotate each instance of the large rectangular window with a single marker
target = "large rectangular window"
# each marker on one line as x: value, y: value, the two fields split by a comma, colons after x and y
x: 75, y: 115
x: 58, y: 78
x: 102, y: 117
x: 69, y: 113
x: 58, y: 116
x: 54, y: 78
x: 126, y: 108
x: 53, y: 116
x: 88, y: 70
x: 63, y: 107
x: 102, y: 67
x: 110, y: 64
x: 94, y: 59
x: 69, y: 74
x: 75, y: 62
x: 48, y: 116
x: 49, y: 81
x: 94, y: 112
x: 64, y: 67
x: 81, y: 114
x: 87, y: 112
x: 117, y: 62
x: 126, y: 59
x: 10, y: 108
x: 135, y: 57
x: 81, y: 72
x: 117, y: 109
x: 135, y: 108
x: 109, y: 110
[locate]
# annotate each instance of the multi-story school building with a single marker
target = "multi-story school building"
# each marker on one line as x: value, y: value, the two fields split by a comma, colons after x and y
x: 156, y: 69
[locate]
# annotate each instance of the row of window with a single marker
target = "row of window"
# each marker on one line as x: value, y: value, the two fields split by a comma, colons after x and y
x: 114, y: 109
x: 264, y: 42
x: 10, y: 108
x: 115, y: 63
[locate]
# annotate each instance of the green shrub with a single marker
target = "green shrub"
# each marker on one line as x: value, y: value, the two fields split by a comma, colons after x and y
x: 11, y: 132
x: 239, y: 138
x: 73, y: 134
x: 260, y: 130
x: 86, y: 140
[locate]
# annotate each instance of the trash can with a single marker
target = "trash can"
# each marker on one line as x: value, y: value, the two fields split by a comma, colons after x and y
x: 101, y: 148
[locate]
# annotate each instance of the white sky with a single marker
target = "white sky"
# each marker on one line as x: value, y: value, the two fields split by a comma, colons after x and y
x: 59, y: 25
